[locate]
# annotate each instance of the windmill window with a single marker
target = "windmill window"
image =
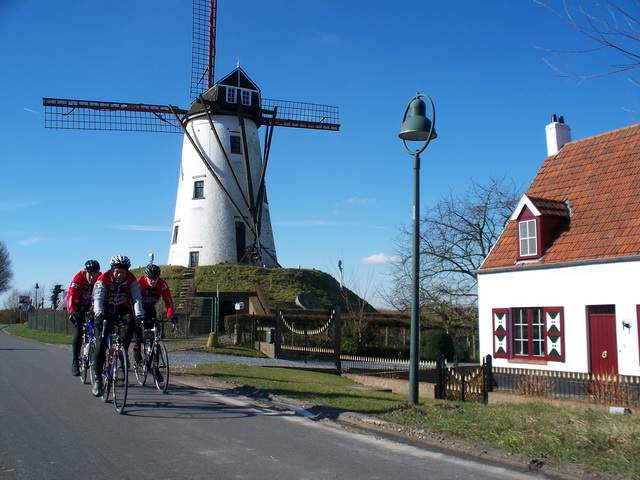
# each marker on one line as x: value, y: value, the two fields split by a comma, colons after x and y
x: 528, y: 238
x: 246, y: 97
x: 198, y: 189
x: 234, y: 144
x: 231, y: 95
x: 174, y: 240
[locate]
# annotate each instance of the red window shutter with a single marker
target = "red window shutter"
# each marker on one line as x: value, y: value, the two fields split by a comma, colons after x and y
x: 500, y: 332
x: 638, y: 323
x: 554, y: 332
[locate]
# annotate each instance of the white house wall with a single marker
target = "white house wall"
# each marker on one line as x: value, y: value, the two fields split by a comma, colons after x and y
x: 573, y: 288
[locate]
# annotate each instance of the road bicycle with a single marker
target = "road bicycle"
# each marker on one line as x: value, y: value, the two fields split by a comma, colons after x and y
x: 115, y: 375
x: 155, y: 359
x: 85, y: 362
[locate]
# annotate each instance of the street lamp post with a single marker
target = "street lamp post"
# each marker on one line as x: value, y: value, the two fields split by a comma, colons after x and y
x: 37, y: 287
x: 416, y: 128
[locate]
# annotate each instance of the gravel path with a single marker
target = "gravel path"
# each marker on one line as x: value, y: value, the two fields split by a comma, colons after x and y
x: 190, y: 360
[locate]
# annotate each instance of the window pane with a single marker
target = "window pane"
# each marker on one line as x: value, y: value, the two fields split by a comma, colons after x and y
x: 528, y: 238
x: 231, y: 95
x: 246, y: 97
x: 234, y: 144
x: 198, y: 189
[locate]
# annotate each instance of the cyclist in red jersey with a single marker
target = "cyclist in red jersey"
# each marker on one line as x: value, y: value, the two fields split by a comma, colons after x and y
x: 153, y: 287
x: 79, y: 306
x: 116, y: 296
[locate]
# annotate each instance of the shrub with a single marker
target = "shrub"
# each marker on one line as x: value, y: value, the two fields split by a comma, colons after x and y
x: 434, y: 341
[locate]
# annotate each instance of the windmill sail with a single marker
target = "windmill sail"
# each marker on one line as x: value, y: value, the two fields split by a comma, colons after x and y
x: 91, y: 115
x: 140, y: 117
x: 203, y: 51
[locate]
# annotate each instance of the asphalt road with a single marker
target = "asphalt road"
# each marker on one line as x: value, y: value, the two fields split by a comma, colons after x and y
x: 51, y: 427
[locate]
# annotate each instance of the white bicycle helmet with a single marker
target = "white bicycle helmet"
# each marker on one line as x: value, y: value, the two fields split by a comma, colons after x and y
x: 120, y: 261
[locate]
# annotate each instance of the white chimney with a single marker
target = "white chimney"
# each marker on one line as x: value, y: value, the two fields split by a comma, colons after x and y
x: 557, y: 135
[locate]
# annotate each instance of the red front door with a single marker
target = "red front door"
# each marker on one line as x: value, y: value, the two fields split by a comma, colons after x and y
x: 603, y: 349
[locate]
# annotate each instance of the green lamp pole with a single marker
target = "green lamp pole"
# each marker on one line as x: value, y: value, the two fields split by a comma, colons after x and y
x: 416, y: 128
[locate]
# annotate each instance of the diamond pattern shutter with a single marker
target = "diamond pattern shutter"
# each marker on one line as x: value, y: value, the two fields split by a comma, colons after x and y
x: 500, y: 332
x: 554, y: 331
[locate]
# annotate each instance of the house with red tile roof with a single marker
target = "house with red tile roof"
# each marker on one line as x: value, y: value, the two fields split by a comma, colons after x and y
x: 560, y: 290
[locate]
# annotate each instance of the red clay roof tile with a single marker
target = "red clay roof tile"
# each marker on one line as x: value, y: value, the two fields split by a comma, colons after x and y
x: 600, y: 178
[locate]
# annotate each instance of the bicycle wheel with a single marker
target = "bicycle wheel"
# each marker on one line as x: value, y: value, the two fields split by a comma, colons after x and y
x: 86, y: 372
x: 160, y: 367
x: 120, y: 380
x: 106, y: 374
x: 106, y: 383
x: 142, y: 368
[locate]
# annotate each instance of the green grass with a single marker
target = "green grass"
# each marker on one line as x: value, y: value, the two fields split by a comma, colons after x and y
x: 22, y: 330
x: 308, y: 386
x: 283, y: 285
x: 540, y: 430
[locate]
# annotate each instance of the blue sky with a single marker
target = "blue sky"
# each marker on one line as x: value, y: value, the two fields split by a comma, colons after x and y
x: 68, y: 196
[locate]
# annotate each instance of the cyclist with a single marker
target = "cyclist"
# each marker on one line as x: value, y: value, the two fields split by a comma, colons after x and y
x: 153, y: 287
x: 116, y: 296
x: 79, y: 306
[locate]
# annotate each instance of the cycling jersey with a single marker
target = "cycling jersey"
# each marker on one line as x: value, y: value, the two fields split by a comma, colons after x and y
x: 110, y: 298
x: 79, y: 293
x: 151, y: 295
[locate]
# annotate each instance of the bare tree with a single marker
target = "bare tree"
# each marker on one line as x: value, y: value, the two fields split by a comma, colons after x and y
x: 455, y: 237
x: 609, y: 26
x: 6, y: 273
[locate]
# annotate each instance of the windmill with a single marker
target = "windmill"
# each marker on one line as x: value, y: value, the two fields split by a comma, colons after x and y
x: 222, y: 212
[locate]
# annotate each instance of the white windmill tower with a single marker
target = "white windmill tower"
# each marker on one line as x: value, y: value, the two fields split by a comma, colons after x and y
x: 222, y: 213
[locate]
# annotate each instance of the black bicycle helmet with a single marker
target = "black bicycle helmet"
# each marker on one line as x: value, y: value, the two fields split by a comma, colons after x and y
x: 92, y: 266
x: 120, y: 261
x: 152, y: 271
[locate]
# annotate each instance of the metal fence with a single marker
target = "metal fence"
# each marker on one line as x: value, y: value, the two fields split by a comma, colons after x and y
x: 598, y: 388
x: 51, y: 321
x: 196, y: 317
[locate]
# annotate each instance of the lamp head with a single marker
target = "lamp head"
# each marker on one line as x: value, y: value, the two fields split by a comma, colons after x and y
x: 417, y: 126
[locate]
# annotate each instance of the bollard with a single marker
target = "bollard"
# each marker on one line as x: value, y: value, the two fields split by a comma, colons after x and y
x: 213, y: 340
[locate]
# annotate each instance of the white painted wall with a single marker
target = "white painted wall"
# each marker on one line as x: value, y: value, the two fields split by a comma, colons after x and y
x: 207, y: 225
x: 573, y: 288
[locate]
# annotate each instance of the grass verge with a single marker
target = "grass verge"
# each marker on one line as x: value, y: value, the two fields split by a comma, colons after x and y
x: 22, y: 330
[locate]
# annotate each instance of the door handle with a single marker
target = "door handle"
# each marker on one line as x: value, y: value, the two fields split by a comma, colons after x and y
x: 604, y: 354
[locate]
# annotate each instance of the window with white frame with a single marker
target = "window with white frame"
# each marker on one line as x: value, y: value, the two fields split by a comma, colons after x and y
x: 528, y: 332
x: 534, y: 334
x: 231, y: 95
x: 528, y: 238
x: 246, y: 97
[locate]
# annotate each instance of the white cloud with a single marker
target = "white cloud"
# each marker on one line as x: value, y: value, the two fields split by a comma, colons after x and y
x: 143, y: 228
x: 361, y: 201
x: 380, y: 259
x: 17, y: 205
x: 312, y: 223
x: 30, y: 241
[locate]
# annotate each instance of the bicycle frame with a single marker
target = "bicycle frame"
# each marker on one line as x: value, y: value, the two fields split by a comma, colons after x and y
x: 87, y: 348
x: 115, y: 349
